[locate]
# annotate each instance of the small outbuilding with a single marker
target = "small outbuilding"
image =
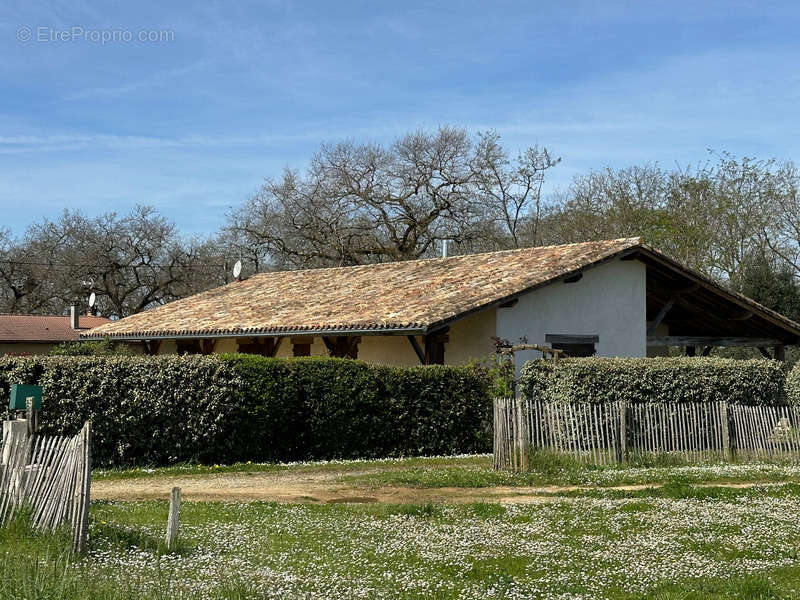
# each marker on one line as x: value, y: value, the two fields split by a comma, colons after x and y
x: 37, y: 334
x: 609, y: 298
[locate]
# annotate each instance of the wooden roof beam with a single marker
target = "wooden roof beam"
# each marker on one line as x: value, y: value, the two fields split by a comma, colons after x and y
x: 417, y: 349
x: 660, y: 316
x: 706, y: 314
x: 689, y: 340
x: 742, y: 316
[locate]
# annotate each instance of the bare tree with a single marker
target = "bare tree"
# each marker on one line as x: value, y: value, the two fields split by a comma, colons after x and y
x: 776, y: 204
x: 131, y: 262
x: 512, y: 190
x: 607, y: 204
x: 368, y: 203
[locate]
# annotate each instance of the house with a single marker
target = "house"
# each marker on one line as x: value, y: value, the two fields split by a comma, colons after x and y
x: 610, y: 298
x: 37, y: 334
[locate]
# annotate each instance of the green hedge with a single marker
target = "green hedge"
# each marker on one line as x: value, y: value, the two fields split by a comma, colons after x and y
x: 222, y: 409
x: 793, y: 385
x: 685, y: 379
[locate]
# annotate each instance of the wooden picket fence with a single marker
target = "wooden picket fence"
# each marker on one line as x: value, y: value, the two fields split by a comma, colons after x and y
x: 50, y: 476
x: 615, y: 432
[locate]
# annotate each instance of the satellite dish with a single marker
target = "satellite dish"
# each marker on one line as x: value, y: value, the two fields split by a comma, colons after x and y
x: 92, y: 299
x: 237, y: 269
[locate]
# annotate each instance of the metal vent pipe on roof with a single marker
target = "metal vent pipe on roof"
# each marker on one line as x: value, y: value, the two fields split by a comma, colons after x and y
x: 444, y: 248
x: 74, y: 317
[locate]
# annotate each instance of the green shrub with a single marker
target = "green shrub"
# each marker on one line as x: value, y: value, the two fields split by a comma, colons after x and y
x: 103, y: 347
x: 325, y: 407
x: 222, y: 409
x: 685, y: 379
x: 793, y: 385
x: 499, y: 369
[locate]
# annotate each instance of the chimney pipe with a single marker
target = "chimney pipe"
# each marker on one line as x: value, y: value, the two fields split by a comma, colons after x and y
x: 444, y: 248
x: 74, y: 318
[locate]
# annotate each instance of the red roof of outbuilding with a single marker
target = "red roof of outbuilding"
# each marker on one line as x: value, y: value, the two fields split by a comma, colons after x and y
x: 44, y: 328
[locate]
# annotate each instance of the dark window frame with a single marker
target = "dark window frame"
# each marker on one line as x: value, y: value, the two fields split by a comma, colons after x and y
x: 573, y: 345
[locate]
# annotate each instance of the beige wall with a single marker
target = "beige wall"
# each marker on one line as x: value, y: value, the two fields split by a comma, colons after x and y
x: 471, y: 337
x: 25, y: 348
x: 317, y: 348
x: 167, y: 347
x: 388, y: 350
x: 226, y: 346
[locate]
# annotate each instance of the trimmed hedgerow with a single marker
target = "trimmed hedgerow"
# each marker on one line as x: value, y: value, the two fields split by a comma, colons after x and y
x: 322, y: 407
x: 221, y: 409
x: 143, y: 410
x: 793, y: 385
x: 684, y: 379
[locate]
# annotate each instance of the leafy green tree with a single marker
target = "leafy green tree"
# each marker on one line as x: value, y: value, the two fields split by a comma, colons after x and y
x: 770, y: 283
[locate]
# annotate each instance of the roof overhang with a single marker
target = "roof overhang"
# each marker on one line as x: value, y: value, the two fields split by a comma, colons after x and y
x: 259, y: 334
x: 764, y: 322
x: 60, y: 341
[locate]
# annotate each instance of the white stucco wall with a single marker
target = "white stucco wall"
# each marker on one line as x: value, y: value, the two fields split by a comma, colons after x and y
x: 609, y: 301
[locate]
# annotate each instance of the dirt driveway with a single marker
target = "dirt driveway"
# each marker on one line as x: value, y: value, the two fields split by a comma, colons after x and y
x: 312, y: 487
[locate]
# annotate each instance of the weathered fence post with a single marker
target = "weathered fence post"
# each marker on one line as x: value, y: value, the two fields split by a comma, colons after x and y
x: 12, y: 430
x: 622, y: 439
x: 82, y: 495
x: 173, y: 520
x: 522, y: 433
x: 31, y: 415
x: 724, y: 428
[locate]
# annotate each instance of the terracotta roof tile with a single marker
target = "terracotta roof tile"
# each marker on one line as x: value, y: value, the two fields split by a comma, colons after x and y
x: 412, y: 295
x: 44, y: 328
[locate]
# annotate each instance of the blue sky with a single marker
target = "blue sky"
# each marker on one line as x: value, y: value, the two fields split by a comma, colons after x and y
x: 239, y: 90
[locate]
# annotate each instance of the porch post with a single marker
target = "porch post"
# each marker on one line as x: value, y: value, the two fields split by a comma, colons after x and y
x: 780, y: 352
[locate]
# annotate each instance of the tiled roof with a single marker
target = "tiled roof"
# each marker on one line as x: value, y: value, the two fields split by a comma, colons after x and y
x: 44, y: 328
x: 408, y: 296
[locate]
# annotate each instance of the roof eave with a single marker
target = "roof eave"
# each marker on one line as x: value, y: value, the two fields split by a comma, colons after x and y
x: 130, y: 337
x: 743, y: 301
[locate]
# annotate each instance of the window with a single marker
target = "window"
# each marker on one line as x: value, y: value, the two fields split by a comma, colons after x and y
x: 189, y: 347
x: 573, y: 345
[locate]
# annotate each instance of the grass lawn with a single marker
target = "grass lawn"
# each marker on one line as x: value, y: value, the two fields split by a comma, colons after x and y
x: 481, y: 461
x: 679, y: 541
x: 475, y: 471
x: 478, y: 476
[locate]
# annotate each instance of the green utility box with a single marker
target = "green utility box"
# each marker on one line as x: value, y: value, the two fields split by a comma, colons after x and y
x: 20, y: 393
